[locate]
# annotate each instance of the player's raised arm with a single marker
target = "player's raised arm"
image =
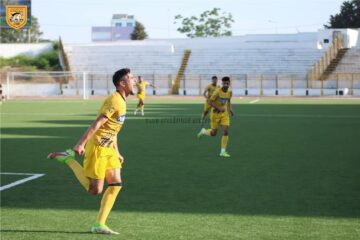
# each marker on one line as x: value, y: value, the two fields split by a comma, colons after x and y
x: 80, y: 146
x: 229, y: 107
x: 152, y: 85
x: 205, y: 93
x: 212, y: 102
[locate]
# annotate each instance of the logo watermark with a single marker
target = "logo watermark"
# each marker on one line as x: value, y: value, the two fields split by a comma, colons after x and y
x: 175, y: 120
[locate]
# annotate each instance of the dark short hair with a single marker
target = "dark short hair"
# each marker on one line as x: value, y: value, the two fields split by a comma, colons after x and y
x: 118, y: 75
x: 226, y: 79
x: 214, y: 77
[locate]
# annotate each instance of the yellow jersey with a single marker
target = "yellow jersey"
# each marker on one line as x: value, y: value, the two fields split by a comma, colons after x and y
x: 141, y: 86
x: 114, y: 108
x: 221, y: 98
x: 210, y: 89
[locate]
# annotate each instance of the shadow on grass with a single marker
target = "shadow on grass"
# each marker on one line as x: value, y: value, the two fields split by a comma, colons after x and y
x: 298, y: 166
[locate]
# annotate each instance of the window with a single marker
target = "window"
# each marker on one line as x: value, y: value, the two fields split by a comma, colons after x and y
x: 118, y: 24
x: 326, y: 40
x: 129, y: 24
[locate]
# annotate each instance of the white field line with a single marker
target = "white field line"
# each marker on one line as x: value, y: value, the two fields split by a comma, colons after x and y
x: 255, y: 101
x: 32, y: 176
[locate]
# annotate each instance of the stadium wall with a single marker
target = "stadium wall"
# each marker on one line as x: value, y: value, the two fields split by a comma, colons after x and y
x: 350, y: 37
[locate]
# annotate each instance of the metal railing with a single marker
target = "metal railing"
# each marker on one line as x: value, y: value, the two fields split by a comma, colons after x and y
x: 87, y: 84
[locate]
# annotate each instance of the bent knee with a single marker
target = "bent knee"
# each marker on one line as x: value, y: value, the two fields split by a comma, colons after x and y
x: 213, y: 132
x: 95, y: 190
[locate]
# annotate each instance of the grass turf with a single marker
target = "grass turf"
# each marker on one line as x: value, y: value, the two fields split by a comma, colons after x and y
x: 293, y: 174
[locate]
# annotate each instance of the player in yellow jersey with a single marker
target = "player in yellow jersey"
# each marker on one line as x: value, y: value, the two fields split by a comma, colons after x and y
x: 220, y: 101
x: 209, y: 90
x: 141, y: 87
x: 98, y: 145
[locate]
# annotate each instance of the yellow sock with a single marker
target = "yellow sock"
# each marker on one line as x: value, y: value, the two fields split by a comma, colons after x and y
x: 107, y: 203
x: 224, y: 142
x: 208, y: 132
x: 79, y: 173
x: 142, y: 107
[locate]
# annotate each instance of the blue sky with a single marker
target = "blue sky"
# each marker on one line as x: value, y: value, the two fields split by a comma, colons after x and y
x: 72, y: 19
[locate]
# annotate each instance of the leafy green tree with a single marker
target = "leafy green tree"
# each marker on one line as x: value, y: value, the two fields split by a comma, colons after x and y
x: 211, y: 23
x: 349, y: 16
x: 9, y: 35
x: 139, y: 32
x: 48, y: 61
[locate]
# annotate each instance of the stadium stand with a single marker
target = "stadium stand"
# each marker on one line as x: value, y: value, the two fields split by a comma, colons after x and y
x: 242, y: 57
x: 276, y: 54
x: 141, y: 57
x: 263, y: 64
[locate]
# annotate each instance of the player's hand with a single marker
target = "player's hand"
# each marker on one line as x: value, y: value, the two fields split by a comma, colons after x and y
x: 79, y: 149
x: 232, y: 113
x: 121, y: 158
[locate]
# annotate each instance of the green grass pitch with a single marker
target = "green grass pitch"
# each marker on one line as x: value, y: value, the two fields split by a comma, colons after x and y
x: 294, y: 172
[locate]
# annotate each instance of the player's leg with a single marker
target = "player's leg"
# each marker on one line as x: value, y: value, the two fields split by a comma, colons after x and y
x: 142, y: 106
x: 113, y: 179
x: 68, y: 157
x: 138, y: 105
x: 214, y: 124
x: 207, y: 132
x: 224, y: 140
x: 94, y: 167
x: 96, y: 186
x: 205, y: 113
x: 203, y: 116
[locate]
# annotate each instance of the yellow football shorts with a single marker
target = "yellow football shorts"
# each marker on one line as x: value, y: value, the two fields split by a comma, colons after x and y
x: 217, y: 119
x: 141, y: 96
x: 99, y: 159
x: 207, y: 107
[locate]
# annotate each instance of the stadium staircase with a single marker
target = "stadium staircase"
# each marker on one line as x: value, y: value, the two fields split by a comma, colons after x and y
x: 64, y: 61
x: 334, y: 63
x: 347, y: 72
x: 350, y: 63
x: 181, y: 72
x: 330, y: 59
x: 65, y: 65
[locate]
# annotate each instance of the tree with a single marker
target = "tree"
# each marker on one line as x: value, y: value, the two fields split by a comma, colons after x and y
x: 139, y: 32
x: 208, y: 24
x: 349, y: 16
x: 9, y: 35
